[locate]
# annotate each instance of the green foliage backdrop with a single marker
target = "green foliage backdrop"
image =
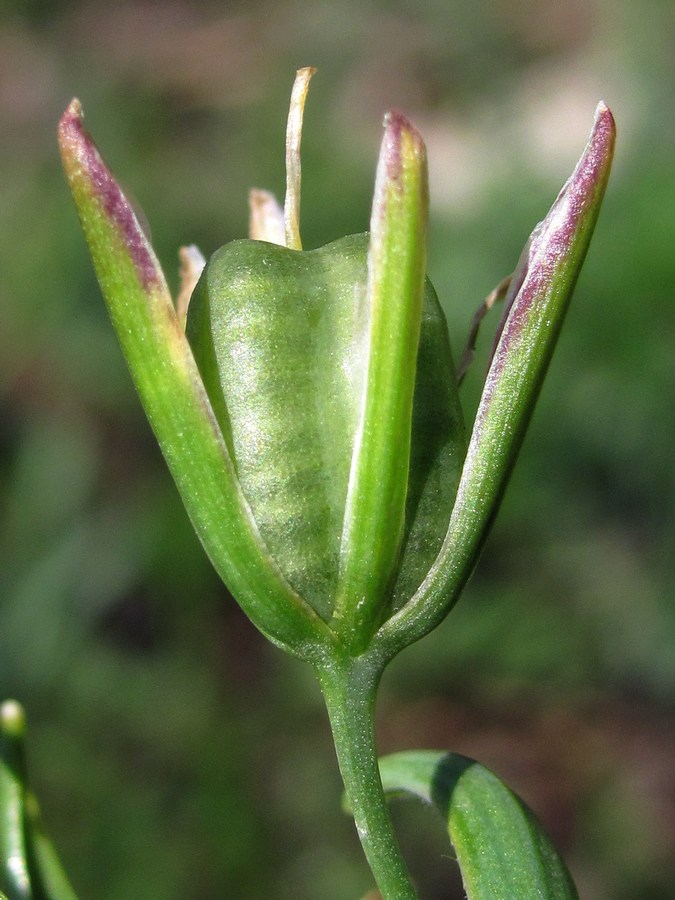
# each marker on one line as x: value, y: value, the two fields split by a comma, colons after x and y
x: 177, y: 755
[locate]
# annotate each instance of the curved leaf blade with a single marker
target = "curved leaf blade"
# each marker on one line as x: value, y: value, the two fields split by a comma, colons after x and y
x: 501, y: 848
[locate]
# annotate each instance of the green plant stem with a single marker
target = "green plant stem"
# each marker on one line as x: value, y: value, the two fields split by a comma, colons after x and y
x: 349, y: 687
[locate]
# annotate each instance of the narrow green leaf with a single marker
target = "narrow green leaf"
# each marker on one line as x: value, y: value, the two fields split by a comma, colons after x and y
x: 536, y: 303
x: 29, y: 866
x: 15, y: 878
x: 174, y: 398
x: 375, y: 510
x: 47, y: 873
x: 501, y: 849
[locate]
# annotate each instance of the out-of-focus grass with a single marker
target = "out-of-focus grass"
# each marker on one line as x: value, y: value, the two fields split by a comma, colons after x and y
x: 176, y: 754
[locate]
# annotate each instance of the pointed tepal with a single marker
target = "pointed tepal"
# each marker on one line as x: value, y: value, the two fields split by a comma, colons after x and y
x: 175, y: 401
x: 104, y: 210
x: 535, y: 308
x: 378, y: 482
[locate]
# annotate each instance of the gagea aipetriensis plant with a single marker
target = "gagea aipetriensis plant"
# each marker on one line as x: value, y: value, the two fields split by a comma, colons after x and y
x: 307, y: 405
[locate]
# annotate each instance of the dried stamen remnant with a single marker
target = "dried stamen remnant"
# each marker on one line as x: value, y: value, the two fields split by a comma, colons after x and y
x: 293, y: 169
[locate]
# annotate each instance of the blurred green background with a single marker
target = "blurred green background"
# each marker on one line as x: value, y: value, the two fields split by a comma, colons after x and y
x: 176, y: 753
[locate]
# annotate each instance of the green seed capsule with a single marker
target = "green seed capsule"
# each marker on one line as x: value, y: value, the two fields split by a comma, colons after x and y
x: 280, y: 338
